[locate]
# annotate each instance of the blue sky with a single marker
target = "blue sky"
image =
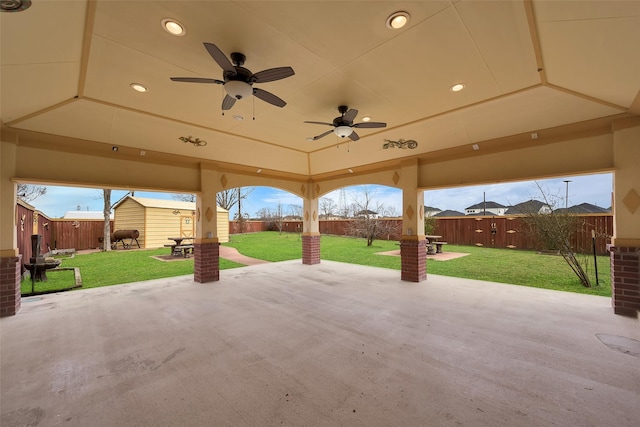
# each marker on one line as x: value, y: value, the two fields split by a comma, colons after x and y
x: 594, y: 189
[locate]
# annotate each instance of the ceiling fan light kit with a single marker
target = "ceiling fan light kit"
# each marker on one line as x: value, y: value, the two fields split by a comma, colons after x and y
x: 238, y: 89
x: 343, y: 131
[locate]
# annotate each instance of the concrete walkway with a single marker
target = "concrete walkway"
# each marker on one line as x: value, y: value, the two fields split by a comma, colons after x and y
x: 232, y: 254
x: 323, y: 345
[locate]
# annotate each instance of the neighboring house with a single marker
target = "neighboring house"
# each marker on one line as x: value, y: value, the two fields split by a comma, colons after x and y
x: 157, y: 220
x: 447, y: 213
x: 529, y: 207
x: 584, y: 208
x: 85, y: 215
x: 366, y: 213
x: 431, y: 211
x: 486, y: 208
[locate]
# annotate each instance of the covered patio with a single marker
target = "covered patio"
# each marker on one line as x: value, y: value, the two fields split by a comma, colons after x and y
x: 326, y: 344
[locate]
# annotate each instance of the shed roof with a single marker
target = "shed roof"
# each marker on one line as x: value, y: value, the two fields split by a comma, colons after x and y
x: 162, y: 203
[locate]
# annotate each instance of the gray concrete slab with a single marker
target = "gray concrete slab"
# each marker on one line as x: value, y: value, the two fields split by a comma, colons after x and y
x: 322, y: 345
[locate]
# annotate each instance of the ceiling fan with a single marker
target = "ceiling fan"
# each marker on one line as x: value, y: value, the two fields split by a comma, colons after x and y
x: 238, y: 81
x: 343, y: 125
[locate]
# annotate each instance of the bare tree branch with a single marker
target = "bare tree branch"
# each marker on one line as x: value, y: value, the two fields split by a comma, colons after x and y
x: 368, y: 221
x: 29, y: 193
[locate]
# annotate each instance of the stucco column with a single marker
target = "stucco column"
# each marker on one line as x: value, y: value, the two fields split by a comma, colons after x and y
x: 413, y: 246
x: 310, y: 225
x: 206, y: 246
x: 10, y: 262
x: 625, y: 243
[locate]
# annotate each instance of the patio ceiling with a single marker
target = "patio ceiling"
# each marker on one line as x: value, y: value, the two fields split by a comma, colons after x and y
x: 67, y: 66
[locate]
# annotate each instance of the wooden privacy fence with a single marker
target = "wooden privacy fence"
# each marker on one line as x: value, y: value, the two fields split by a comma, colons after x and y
x: 78, y: 234
x: 509, y: 232
x: 512, y: 232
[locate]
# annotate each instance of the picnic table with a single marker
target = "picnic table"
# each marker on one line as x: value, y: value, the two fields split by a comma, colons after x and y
x: 178, y: 248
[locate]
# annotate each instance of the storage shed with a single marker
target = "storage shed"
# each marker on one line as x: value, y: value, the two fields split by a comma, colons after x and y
x: 157, y: 220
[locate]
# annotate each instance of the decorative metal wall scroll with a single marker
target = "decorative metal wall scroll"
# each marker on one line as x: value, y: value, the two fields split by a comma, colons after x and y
x: 197, y: 142
x: 401, y: 143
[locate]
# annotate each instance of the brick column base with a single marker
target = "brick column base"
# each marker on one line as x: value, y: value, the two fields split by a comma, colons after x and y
x: 311, y: 249
x: 206, y: 262
x: 10, y: 275
x: 625, y: 280
x: 413, y: 255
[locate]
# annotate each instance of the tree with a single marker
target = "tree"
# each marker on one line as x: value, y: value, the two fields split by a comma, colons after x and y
x: 273, y: 217
x: 368, y: 221
x: 29, y: 193
x: 555, y: 230
x: 296, y: 211
x: 185, y: 197
x: 328, y: 207
x: 106, y: 229
x: 226, y: 199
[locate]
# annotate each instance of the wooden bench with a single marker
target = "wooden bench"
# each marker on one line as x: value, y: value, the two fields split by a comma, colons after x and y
x: 184, y: 249
x: 439, y: 246
x: 435, y: 248
x: 180, y: 250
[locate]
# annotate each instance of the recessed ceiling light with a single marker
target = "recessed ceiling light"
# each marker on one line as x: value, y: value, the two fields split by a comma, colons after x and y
x: 14, y: 5
x: 457, y: 87
x: 143, y: 153
x: 476, y: 147
x: 139, y: 87
x: 366, y: 118
x: 397, y: 20
x: 173, y: 27
x: 259, y: 170
x: 238, y: 118
x: 114, y: 148
x: 350, y: 170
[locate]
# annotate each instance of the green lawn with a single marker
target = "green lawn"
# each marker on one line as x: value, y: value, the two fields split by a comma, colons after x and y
x: 117, y: 267
x: 524, y: 268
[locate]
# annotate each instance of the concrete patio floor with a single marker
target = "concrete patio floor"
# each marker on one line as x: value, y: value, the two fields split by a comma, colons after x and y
x: 324, y: 345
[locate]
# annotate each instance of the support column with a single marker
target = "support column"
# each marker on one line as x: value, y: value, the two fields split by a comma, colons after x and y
x: 625, y: 243
x: 311, y: 225
x: 10, y: 298
x: 206, y: 247
x: 413, y: 245
x: 10, y: 259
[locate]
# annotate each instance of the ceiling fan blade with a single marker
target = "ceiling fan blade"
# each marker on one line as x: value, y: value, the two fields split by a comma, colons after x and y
x: 354, y: 136
x: 196, y: 80
x: 315, y: 138
x: 220, y: 58
x: 320, y: 123
x: 268, y: 97
x: 228, y: 102
x: 350, y: 115
x: 370, y: 125
x: 272, y: 74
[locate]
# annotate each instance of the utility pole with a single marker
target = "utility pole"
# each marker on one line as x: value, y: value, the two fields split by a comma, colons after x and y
x: 566, y: 197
